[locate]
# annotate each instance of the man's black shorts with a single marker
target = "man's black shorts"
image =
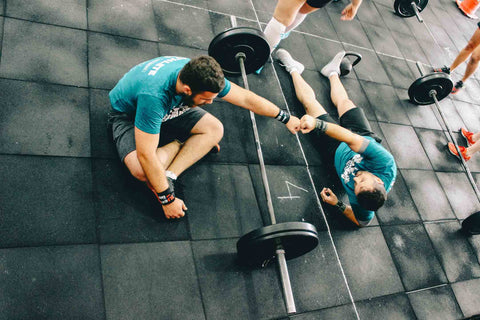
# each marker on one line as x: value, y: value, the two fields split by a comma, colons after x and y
x: 353, y: 120
x: 178, y: 128
x: 318, y: 3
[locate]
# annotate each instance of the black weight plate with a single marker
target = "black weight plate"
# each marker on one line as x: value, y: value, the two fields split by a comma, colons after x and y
x: 471, y: 225
x: 404, y: 9
x: 419, y: 91
x: 225, y: 46
x: 259, y: 245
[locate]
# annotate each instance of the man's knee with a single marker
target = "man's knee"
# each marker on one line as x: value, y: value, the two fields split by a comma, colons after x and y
x: 133, y: 165
x: 345, y: 105
x: 211, y: 126
x: 475, y: 57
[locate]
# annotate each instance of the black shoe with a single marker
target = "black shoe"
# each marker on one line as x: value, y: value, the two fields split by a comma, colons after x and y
x: 458, y: 86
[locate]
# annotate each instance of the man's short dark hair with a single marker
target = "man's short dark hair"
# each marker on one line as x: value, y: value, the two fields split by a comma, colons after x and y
x: 372, y: 199
x: 203, y: 73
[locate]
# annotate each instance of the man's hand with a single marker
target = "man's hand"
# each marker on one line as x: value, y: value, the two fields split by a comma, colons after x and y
x: 307, y: 123
x: 175, y: 209
x: 349, y: 12
x: 293, y: 125
x: 328, y: 196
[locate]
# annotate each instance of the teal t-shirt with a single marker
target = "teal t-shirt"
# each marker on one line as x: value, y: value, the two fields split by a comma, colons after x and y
x: 374, y: 159
x: 148, y: 91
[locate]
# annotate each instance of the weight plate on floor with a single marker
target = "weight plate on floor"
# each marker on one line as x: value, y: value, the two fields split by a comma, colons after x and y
x: 259, y: 245
x: 419, y: 91
x: 250, y: 41
x: 404, y: 9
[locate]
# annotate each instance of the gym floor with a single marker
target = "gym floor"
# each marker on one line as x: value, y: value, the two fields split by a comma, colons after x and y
x: 80, y: 239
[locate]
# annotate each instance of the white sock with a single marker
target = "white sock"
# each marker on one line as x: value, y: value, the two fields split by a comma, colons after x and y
x: 272, y: 31
x: 170, y: 175
x: 296, y: 22
x: 333, y: 73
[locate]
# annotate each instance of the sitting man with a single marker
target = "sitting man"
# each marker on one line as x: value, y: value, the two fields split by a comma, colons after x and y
x: 160, y: 97
x: 366, y: 169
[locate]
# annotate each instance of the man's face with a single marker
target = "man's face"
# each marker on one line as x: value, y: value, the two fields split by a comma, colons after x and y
x: 364, y: 181
x: 199, y: 99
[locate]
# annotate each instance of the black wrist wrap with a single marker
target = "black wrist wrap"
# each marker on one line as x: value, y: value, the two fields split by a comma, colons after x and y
x: 321, y: 125
x: 341, y: 206
x: 166, y: 196
x: 283, y: 117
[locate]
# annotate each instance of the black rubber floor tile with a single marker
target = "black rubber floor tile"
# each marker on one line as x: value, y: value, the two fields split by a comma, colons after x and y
x: 443, y: 39
x: 421, y: 116
x: 405, y: 146
x: 420, y: 32
x: 43, y: 119
x: 342, y: 312
x: 48, y: 201
x: 428, y: 195
x: 451, y: 114
x: 197, y: 33
x: 460, y: 193
x: 397, y: 70
x: 409, y: 46
x: 127, y: 210
x: 385, y: 103
x: 475, y: 242
x: 51, y: 283
x: 414, y: 256
x: 68, y: 13
x: 381, y: 39
x: 350, y: 32
x: 322, y: 51
x: 468, y: 296
x: 384, y: 2
x: 365, y: 255
x: 292, y: 195
x: 319, y: 24
x: 102, y: 145
x: 292, y: 45
x: 392, y: 21
x: 242, y: 9
x: 221, y: 22
x: 196, y: 3
x: 462, y: 95
x: 150, y: 281
x: 2, y: 5
x: 399, y: 207
x: 435, y: 144
x: 429, y: 17
x: 40, y: 52
x: 454, y: 251
x: 357, y: 94
x: 370, y: 68
x: 470, y: 114
x: 179, y: 51
x: 240, y: 292
x: 368, y: 13
x: 389, y: 307
x: 316, y: 277
x: 279, y: 146
x: 221, y: 201
x: 110, y: 57
x: 473, y: 89
x: 432, y: 53
x: 110, y: 16
x: 436, y: 303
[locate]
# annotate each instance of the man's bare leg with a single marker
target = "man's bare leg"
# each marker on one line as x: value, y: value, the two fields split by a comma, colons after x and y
x: 306, y: 96
x: 205, y: 135
x: 165, y: 155
x: 465, y: 52
x: 472, y: 64
x: 339, y: 95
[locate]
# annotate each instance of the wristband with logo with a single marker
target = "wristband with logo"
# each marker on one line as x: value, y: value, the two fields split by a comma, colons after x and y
x: 283, y: 117
x: 166, y: 197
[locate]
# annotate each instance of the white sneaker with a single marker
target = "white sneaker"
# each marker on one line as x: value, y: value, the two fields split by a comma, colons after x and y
x: 334, y: 65
x: 288, y: 62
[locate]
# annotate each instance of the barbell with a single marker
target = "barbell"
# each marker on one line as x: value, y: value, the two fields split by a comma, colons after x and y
x: 242, y: 50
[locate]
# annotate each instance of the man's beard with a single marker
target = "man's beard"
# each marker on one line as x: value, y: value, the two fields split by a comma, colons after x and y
x: 188, y: 100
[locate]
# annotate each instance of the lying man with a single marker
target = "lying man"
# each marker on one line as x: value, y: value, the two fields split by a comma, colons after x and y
x: 366, y: 169
x: 160, y: 97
